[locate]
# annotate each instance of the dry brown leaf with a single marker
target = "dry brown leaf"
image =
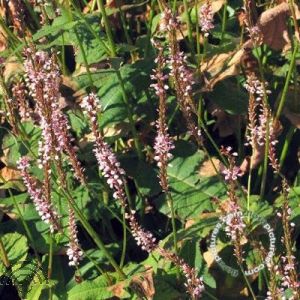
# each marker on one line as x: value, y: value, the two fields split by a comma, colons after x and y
x: 9, y: 174
x: 273, y: 25
x: 207, y: 169
x: 143, y: 284
x: 216, y: 5
x: 12, y: 67
x: 222, y: 66
x: 118, y: 289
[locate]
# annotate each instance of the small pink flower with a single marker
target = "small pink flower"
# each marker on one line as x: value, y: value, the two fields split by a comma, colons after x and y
x: 206, y: 18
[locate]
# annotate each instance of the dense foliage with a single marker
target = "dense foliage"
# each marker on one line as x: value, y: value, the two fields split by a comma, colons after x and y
x: 149, y: 149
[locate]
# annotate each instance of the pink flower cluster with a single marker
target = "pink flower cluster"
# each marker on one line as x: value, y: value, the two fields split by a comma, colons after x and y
x: 234, y: 224
x: 107, y: 161
x: 232, y: 172
x: 46, y: 211
x: 256, y: 87
x: 144, y: 239
x: 260, y: 114
x: 74, y: 252
x: 43, y: 80
x: 168, y: 21
x: 206, y: 18
x: 193, y: 283
x: 111, y: 169
x: 163, y: 142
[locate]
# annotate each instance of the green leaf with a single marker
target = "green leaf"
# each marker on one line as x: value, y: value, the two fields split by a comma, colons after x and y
x: 191, y: 194
x: 16, y: 248
x: 91, y: 290
x: 15, y: 147
x: 230, y: 96
x: 136, y: 79
x: 35, y: 291
x: 144, y: 175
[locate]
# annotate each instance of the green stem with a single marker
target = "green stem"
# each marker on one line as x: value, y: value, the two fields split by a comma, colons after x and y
x: 224, y: 21
x: 197, y: 35
x: 50, y: 263
x: 248, y: 283
x: 210, y: 295
x: 94, y: 235
x: 27, y: 230
x: 149, y: 25
x: 32, y: 14
x: 174, y: 229
x: 123, y: 21
x: 124, y: 241
x: 286, y: 84
x: 286, y: 145
x: 89, y: 27
x: 189, y: 27
x: 107, y: 28
x: 4, y: 255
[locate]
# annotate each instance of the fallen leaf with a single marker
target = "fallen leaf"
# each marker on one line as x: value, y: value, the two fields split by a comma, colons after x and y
x: 9, y: 174
x: 207, y: 169
x: 143, y: 284
x: 118, y: 289
x: 273, y: 25
x: 222, y: 66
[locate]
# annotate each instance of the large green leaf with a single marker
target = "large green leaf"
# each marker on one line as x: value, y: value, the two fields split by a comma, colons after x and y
x: 16, y: 248
x: 230, y: 96
x: 16, y: 147
x: 191, y: 194
x: 98, y: 289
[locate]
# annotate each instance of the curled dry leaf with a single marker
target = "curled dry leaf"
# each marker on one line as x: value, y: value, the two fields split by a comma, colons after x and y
x: 143, y: 284
x: 221, y: 66
x: 273, y: 26
x: 118, y: 289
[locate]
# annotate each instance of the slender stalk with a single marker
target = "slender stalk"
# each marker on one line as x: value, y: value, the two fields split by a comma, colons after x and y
x: 107, y: 28
x: 287, y: 81
x: 248, y: 283
x: 32, y: 14
x: 224, y: 21
x: 174, y: 229
x: 149, y: 25
x: 189, y: 27
x: 197, y: 35
x: 4, y: 256
x: 50, y: 263
x: 124, y: 241
x: 27, y: 230
x: 93, y: 234
x: 286, y: 145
